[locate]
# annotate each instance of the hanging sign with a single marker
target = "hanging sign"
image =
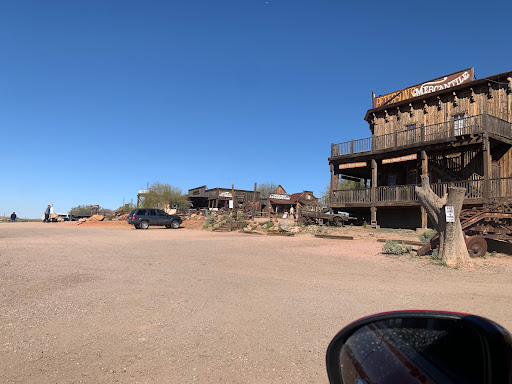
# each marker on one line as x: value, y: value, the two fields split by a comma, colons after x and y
x: 431, y: 86
x: 450, y: 214
x: 225, y: 194
x: 275, y: 196
x: 353, y: 165
x: 399, y: 159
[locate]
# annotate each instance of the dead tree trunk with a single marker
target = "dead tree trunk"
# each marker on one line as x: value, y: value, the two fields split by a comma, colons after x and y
x: 452, y: 245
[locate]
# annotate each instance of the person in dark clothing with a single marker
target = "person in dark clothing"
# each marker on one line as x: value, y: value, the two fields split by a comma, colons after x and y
x: 47, y: 214
x: 13, y: 217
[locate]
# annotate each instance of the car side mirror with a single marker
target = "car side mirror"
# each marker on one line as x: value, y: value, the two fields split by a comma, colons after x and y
x: 420, y: 347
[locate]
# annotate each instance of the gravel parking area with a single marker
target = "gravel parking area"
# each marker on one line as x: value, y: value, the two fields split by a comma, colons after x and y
x: 102, y: 305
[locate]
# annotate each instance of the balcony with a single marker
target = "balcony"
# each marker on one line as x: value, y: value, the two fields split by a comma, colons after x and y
x: 447, y: 131
x: 499, y: 188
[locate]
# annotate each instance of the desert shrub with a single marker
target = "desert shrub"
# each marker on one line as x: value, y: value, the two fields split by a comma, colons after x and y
x: 267, y: 224
x: 243, y: 224
x: 425, y: 236
x: 225, y: 219
x: 209, y: 221
x: 435, y: 254
x: 365, y: 224
x: 393, y: 248
x: 254, y: 227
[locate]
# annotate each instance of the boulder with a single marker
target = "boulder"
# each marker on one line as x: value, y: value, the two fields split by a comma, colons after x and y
x: 97, y: 218
x: 285, y: 226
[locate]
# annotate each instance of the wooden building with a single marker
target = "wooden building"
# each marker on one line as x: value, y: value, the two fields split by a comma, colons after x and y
x: 455, y: 129
x: 201, y: 197
x: 280, y: 201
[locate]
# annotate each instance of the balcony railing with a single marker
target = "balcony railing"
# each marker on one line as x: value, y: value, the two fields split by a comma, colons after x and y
x: 501, y: 187
x: 423, y: 134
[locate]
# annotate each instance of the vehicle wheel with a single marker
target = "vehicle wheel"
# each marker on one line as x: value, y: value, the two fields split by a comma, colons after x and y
x: 175, y: 224
x: 136, y: 226
x: 338, y: 221
x: 144, y: 225
x: 477, y: 246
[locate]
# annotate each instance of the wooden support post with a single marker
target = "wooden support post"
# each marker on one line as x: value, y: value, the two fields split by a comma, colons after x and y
x: 373, y: 194
x: 330, y: 186
x: 351, y: 146
x: 424, y: 172
x: 486, y: 151
x: 233, y: 196
x: 373, y: 211
x: 424, y: 163
x: 254, y: 202
x: 233, y: 212
x: 424, y: 218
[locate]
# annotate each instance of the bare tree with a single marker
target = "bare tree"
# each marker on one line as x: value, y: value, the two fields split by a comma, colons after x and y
x: 452, y: 246
x: 266, y: 189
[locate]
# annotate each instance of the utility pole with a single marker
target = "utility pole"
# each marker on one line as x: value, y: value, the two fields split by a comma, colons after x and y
x: 254, y: 202
x: 233, y: 212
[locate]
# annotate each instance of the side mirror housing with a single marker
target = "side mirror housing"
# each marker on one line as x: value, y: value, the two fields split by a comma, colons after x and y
x: 420, y: 347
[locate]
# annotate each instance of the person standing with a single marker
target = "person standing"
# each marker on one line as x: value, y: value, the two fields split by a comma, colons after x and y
x: 13, y: 217
x: 47, y: 214
x: 292, y: 212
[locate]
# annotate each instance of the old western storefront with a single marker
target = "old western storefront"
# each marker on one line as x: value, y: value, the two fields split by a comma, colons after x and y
x: 219, y: 198
x: 455, y: 130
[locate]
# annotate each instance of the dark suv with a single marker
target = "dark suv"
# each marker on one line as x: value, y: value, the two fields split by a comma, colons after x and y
x: 142, y: 218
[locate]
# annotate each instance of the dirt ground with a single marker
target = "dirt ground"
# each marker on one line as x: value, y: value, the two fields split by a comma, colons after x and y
x: 107, y: 303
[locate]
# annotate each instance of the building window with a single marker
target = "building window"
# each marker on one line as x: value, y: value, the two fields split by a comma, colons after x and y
x: 413, y: 176
x: 459, y: 124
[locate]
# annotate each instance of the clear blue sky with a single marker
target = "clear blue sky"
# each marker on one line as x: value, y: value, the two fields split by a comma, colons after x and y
x: 97, y: 98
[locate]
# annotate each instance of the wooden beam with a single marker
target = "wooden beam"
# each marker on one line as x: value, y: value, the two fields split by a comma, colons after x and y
x: 336, y: 237
x: 486, y: 151
x: 373, y: 193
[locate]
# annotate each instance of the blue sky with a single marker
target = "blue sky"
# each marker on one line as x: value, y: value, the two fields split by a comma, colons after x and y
x: 98, y: 98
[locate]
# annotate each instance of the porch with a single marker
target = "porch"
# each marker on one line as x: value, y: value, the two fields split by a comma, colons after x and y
x: 405, y: 195
x: 448, y: 131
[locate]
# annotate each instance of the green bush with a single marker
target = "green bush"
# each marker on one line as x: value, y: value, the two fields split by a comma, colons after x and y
x: 365, y: 224
x: 243, y: 224
x: 267, y: 224
x: 425, y: 236
x: 393, y: 248
x: 209, y: 221
x: 254, y: 227
x: 435, y: 254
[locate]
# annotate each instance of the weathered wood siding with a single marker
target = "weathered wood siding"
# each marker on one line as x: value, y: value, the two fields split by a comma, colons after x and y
x: 493, y: 98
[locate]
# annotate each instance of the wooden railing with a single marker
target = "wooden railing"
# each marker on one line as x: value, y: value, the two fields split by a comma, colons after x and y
x: 474, y: 188
x: 417, y: 136
x: 352, y: 196
x: 501, y: 187
x: 396, y: 193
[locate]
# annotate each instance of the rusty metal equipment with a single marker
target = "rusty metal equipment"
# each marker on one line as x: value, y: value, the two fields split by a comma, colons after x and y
x: 492, y: 221
x: 312, y: 214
